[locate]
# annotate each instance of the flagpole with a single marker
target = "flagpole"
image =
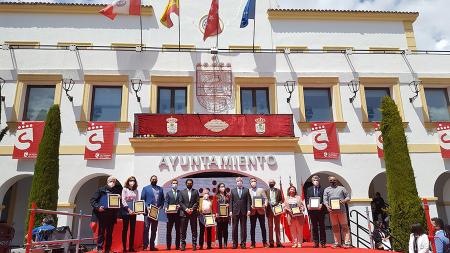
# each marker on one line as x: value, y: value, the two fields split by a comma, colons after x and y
x: 179, y: 26
x: 140, y: 20
x: 254, y: 25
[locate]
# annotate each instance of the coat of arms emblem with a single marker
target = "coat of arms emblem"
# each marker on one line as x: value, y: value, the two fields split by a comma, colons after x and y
x: 172, y: 126
x: 260, y: 125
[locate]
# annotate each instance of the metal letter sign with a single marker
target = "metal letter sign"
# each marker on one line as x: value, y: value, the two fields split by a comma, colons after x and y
x: 214, y: 86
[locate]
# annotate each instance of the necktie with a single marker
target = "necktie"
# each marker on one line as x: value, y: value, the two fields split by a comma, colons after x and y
x: 174, y: 194
x: 315, y: 191
x: 240, y: 192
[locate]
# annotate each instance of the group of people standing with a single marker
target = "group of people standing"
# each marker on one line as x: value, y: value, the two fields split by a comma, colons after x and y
x: 419, y: 241
x: 193, y: 207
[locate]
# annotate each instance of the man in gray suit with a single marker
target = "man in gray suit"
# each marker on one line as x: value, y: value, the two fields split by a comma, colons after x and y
x: 258, y: 213
x: 240, y: 202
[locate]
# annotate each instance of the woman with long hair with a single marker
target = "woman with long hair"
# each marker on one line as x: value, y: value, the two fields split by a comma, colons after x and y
x: 222, y: 222
x: 129, y: 195
x: 295, y: 220
x: 418, y: 240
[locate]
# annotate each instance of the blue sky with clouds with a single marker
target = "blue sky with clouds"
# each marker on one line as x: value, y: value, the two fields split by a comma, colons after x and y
x: 432, y: 28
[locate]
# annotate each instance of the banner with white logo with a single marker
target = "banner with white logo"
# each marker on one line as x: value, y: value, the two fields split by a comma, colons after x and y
x: 443, y: 130
x: 379, y: 139
x: 324, y: 139
x: 99, y: 141
x: 29, y: 135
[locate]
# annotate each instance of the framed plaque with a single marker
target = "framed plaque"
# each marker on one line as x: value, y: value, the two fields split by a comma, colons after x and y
x: 153, y: 212
x: 113, y: 200
x: 172, y: 209
x: 209, y: 220
x: 258, y: 202
x: 314, y: 203
x: 278, y: 209
x: 335, y: 204
x: 223, y: 210
x: 296, y: 211
x: 139, y: 206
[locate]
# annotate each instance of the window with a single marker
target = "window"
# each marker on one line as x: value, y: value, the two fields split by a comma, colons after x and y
x: 255, y: 101
x: 318, y: 105
x: 172, y: 100
x: 438, y: 105
x: 106, y: 103
x: 374, y: 97
x: 38, y: 100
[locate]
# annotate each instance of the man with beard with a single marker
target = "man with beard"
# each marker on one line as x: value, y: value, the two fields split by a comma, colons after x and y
x: 189, y: 201
x: 152, y: 195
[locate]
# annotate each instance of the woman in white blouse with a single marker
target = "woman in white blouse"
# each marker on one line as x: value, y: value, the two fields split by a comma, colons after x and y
x: 129, y: 195
x: 205, y: 208
x: 418, y: 240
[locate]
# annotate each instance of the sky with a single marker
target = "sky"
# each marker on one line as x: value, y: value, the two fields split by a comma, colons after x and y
x: 432, y: 28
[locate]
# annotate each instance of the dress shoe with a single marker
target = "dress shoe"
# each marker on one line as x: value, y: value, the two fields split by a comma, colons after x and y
x: 183, y: 247
x: 271, y: 245
x: 243, y: 246
x: 194, y: 247
x: 177, y: 248
x: 153, y: 249
x: 265, y: 245
x: 323, y: 245
x: 131, y: 250
x: 316, y: 245
x: 279, y: 245
x: 209, y: 247
x: 234, y: 246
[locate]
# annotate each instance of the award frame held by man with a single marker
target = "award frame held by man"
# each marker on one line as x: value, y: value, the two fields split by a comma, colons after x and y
x: 314, y: 203
x: 258, y: 202
x: 172, y: 209
x: 153, y: 212
x: 335, y: 204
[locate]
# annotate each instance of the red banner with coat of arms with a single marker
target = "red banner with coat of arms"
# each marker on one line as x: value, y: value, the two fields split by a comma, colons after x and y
x: 231, y: 125
x: 99, y: 141
x: 379, y: 139
x: 29, y: 135
x: 443, y: 130
x: 324, y: 139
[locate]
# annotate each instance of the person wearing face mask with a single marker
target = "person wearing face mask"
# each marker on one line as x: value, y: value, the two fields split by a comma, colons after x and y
x: 129, y: 195
x: 295, y: 222
x: 317, y: 215
x: 189, y: 201
x: 274, y: 198
x: 205, y: 208
x: 258, y: 214
x: 106, y: 216
x: 222, y: 222
x: 338, y: 218
x: 173, y: 198
x: 152, y: 195
x: 240, y: 203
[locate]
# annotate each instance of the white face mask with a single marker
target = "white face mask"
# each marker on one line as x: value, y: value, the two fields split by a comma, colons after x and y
x: 206, y: 196
x: 131, y: 183
x: 222, y: 189
x: 174, y: 186
x: 315, y: 183
x: 111, y: 184
x: 253, y: 184
x: 239, y: 184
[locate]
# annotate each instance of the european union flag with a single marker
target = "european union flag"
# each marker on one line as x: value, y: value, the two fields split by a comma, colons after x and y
x: 249, y: 13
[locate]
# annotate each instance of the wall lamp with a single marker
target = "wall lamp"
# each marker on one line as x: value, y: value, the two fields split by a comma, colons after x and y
x: 68, y: 86
x: 353, y: 85
x: 2, y: 83
x: 289, y: 86
x: 136, y: 85
x: 414, y: 86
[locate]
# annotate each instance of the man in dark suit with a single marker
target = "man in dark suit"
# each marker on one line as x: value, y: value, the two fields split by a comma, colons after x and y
x: 258, y: 213
x: 317, y: 215
x: 152, y: 195
x: 173, y: 198
x: 189, y: 201
x: 240, y: 203
x: 274, y: 198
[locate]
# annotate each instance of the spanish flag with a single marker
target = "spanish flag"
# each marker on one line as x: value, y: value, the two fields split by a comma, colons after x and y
x: 172, y: 7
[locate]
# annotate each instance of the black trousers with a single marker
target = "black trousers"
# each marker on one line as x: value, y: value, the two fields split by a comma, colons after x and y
x: 152, y: 225
x: 262, y: 224
x: 242, y: 219
x: 131, y: 219
x: 202, y: 235
x: 105, y: 231
x: 173, y: 219
x: 192, y: 219
x: 318, y: 223
x: 222, y: 232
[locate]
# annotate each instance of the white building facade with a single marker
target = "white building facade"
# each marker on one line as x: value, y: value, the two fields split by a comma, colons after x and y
x: 39, y: 55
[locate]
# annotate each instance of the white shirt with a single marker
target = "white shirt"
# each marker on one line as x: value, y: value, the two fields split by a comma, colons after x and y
x: 189, y: 194
x: 206, y: 206
x: 423, y: 244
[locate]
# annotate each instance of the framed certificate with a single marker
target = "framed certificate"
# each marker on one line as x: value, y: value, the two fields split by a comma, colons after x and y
x: 258, y: 202
x: 113, y: 200
x: 296, y: 211
x: 277, y: 210
x: 314, y: 203
x: 335, y: 204
x: 139, y: 206
x: 153, y: 212
x: 209, y: 221
x: 172, y: 209
x: 223, y: 210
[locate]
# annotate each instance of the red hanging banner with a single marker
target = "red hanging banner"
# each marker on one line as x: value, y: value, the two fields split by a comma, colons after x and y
x: 379, y: 139
x: 99, y: 141
x: 324, y: 139
x: 225, y: 125
x: 443, y: 130
x: 29, y: 135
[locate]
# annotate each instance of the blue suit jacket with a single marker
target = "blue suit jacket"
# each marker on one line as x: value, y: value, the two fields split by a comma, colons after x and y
x: 149, y: 197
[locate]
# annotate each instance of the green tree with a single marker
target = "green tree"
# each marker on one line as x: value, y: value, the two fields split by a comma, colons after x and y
x: 44, y: 188
x: 405, y: 207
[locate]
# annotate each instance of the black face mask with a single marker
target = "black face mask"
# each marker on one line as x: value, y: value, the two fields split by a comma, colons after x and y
x: 271, y: 185
x: 153, y: 183
x: 333, y: 183
x: 189, y: 186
